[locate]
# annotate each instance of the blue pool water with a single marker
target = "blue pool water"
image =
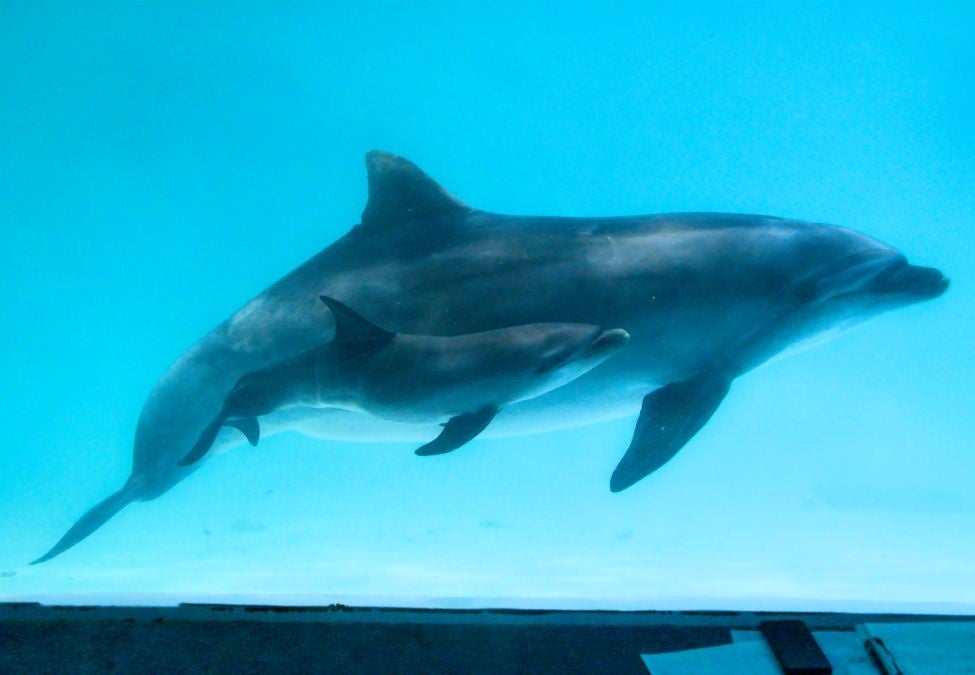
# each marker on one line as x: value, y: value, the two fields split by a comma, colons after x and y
x: 162, y: 164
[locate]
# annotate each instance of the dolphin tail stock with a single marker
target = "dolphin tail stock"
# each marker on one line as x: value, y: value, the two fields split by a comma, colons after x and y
x: 669, y: 418
x: 97, y: 516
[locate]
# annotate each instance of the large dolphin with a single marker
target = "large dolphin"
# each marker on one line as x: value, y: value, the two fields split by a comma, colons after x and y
x: 705, y: 297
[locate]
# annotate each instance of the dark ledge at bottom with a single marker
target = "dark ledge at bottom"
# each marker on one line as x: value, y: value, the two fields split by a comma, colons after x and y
x: 340, y: 639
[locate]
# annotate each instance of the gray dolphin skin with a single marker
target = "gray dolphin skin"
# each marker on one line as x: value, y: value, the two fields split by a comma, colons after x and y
x: 705, y: 298
x: 461, y: 381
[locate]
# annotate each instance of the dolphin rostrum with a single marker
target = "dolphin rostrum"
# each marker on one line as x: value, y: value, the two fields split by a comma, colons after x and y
x: 705, y: 298
x: 462, y: 382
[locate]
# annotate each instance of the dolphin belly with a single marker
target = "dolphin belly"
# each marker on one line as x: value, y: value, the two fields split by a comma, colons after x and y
x: 594, y: 397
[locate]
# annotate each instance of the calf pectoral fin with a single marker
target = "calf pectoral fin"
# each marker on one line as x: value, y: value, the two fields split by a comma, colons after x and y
x: 458, y: 430
x: 669, y: 418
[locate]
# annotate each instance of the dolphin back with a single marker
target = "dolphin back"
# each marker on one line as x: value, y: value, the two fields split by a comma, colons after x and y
x: 97, y: 516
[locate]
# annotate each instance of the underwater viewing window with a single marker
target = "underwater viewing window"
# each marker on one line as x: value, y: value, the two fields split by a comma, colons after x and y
x: 460, y: 307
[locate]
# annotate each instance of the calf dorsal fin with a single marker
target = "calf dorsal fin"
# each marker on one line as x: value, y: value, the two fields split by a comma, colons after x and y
x: 350, y: 328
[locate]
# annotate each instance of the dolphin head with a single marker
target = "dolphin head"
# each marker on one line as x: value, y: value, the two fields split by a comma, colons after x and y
x: 834, y: 278
x: 569, y: 350
x: 601, y: 345
x: 845, y: 272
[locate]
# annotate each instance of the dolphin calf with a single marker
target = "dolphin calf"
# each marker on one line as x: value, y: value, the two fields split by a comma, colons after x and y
x: 461, y: 382
x: 705, y: 298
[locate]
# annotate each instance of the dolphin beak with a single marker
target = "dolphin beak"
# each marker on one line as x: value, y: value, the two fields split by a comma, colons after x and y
x: 606, y: 341
x: 916, y: 282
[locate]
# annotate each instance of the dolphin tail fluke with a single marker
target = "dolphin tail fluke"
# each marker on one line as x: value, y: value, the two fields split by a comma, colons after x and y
x: 669, y: 418
x: 97, y: 516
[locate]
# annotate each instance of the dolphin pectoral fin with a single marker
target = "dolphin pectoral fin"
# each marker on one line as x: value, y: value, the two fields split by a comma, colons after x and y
x: 669, y: 418
x: 203, y: 444
x: 458, y: 431
x: 97, y: 516
x: 247, y: 426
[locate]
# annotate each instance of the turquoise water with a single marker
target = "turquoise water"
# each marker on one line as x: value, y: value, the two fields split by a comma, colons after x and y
x: 160, y: 165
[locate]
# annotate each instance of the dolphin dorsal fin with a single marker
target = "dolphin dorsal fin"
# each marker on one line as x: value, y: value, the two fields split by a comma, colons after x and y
x: 400, y: 192
x: 350, y: 328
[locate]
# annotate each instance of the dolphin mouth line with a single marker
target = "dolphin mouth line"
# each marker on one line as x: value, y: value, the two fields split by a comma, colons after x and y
x: 605, y: 340
x: 871, y: 272
x: 914, y: 281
